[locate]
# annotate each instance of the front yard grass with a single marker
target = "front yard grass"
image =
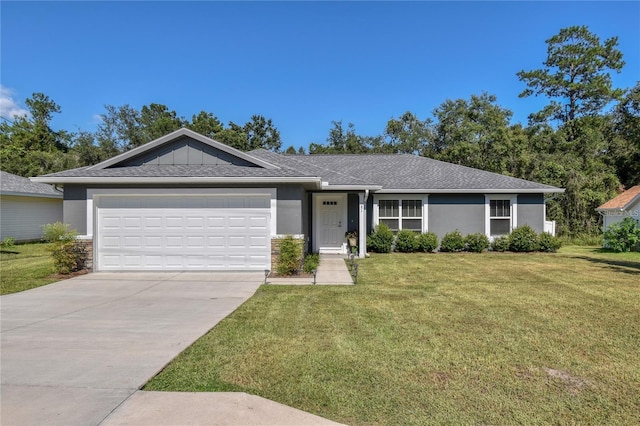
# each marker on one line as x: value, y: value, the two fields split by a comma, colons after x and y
x: 25, y: 266
x: 438, y: 338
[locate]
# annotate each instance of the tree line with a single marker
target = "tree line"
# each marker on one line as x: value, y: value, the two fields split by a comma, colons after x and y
x: 586, y: 139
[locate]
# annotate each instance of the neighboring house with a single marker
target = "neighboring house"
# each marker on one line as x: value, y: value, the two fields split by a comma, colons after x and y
x: 25, y: 206
x: 624, y: 205
x: 187, y: 202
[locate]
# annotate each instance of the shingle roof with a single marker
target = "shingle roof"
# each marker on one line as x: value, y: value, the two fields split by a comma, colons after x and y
x: 400, y: 171
x: 623, y: 200
x: 17, y: 185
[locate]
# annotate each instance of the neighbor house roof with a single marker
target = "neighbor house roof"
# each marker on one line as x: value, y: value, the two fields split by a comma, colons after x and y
x: 17, y: 185
x: 622, y: 201
x: 376, y: 172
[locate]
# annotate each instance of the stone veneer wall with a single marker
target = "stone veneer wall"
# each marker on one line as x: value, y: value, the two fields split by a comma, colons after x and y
x: 88, y: 245
x: 275, y: 248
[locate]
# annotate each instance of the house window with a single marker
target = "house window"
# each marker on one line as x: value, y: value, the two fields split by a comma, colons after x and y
x: 401, y: 214
x: 499, y: 217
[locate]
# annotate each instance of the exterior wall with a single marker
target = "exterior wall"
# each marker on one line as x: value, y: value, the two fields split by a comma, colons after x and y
x: 22, y: 218
x: 186, y: 151
x: 75, y: 208
x: 448, y: 212
x: 531, y: 211
x: 353, y: 207
x: 611, y: 217
x: 290, y: 209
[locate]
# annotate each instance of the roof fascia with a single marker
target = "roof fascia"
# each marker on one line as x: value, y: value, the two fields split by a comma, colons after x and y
x: 175, y: 135
x: 189, y: 180
x: 327, y: 187
x: 30, y: 194
x: 472, y: 191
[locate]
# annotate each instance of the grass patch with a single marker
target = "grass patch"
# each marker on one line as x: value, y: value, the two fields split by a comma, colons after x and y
x: 494, y: 338
x: 25, y: 266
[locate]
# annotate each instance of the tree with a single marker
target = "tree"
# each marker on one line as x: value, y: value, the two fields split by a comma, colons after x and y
x: 473, y: 133
x: 156, y: 120
x: 576, y: 75
x: 261, y: 133
x: 408, y: 134
x: 206, y: 124
x: 624, y: 148
x: 28, y: 144
x: 120, y: 128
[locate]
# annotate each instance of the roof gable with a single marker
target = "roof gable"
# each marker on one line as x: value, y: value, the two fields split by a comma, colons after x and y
x: 623, y: 201
x: 183, y: 147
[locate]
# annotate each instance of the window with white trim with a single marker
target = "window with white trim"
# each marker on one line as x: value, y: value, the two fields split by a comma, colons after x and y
x: 499, y: 217
x: 401, y: 214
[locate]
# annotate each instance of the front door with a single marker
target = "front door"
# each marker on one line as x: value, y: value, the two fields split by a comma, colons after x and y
x: 330, y: 216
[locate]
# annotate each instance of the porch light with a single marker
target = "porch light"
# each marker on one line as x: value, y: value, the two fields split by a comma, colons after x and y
x: 266, y: 275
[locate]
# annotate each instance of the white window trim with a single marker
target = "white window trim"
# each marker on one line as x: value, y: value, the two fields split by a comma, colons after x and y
x: 97, y: 192
x: 399, y: 197
x: 513, y: 198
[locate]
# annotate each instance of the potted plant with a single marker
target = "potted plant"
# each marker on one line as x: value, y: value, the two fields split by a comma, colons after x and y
x: 352, y: 237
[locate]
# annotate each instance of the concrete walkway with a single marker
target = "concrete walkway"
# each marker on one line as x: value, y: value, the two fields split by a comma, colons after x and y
x: 332, y: 270
x: 74, y: 351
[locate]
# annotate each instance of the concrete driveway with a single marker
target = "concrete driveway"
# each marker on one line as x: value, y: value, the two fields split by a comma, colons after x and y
x: 73, y: 351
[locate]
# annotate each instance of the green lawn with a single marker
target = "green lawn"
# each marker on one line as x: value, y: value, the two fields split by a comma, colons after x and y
x: 25, y: 266
x: 439, y: 338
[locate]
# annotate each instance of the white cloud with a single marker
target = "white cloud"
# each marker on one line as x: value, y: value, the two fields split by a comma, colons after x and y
x: 8, y: 107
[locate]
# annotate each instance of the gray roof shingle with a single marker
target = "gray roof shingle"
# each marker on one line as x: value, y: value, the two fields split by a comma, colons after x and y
x: 18, y: 185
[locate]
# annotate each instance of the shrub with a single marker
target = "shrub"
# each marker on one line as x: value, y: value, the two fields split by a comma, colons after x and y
x: 427, y: 242
x: 381, y: 239
x: 622, y: 236
x: 288, y: 257
x: 523, y: 239
x: 69, y: 256
x: 500, y: 244
x: 8, y: 242
x: 476, y: 243
x: 452, y: 241
x: 311, y: 262
x: 58, y: 231
x: 406, y: 241
x: 548, y: 243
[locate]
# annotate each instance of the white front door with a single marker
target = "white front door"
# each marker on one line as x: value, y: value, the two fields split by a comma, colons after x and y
x: 330, y: 220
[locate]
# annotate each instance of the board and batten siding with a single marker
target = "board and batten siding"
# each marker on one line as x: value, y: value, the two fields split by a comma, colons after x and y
x: 22, y: 218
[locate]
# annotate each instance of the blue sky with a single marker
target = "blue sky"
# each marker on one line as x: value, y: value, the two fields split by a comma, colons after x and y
x: 302, y: 64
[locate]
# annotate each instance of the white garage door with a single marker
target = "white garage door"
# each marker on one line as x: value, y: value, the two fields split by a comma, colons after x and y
x: 158, y: 233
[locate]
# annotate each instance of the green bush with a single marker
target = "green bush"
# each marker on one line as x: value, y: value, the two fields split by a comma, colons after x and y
x: 8, y: 242
x: 54, y: 232
x: 311, y: 262
x: 476, y: 243
x: 427, y: 242
x: 406, y: 241
x: 622, y: 236
x: 548, y: 243
x: 500, y: 244
x: 452, y: 241
x: 289, y: 257
x: 523, y: 239
x: 68, y: 256
x: 381, y: 239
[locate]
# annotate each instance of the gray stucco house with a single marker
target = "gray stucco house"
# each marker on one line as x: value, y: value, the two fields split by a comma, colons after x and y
x: 187, y: 202
x: 25, y: 206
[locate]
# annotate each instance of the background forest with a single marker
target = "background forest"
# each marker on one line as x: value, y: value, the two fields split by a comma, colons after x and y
x: 586, y: 139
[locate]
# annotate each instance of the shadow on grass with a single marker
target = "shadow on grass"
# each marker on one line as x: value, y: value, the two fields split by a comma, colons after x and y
x: 9, y: 252
x: 626, y: 266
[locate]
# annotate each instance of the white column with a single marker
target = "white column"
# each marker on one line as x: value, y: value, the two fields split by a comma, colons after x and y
x: 362, y: 225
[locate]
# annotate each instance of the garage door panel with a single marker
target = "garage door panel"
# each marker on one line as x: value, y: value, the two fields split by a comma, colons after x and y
x: 178, y: 233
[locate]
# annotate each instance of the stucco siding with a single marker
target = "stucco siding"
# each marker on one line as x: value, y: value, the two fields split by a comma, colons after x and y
x: 22, y: 217
x: 464, y: 212
x: 75, y: 208
x: 290, y: 209
x: 531, y: 211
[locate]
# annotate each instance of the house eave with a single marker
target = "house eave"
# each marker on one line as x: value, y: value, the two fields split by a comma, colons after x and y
x: 328, y: 187
x: 472, y: 191
x: 31, y: 194
x: 177, y: 180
